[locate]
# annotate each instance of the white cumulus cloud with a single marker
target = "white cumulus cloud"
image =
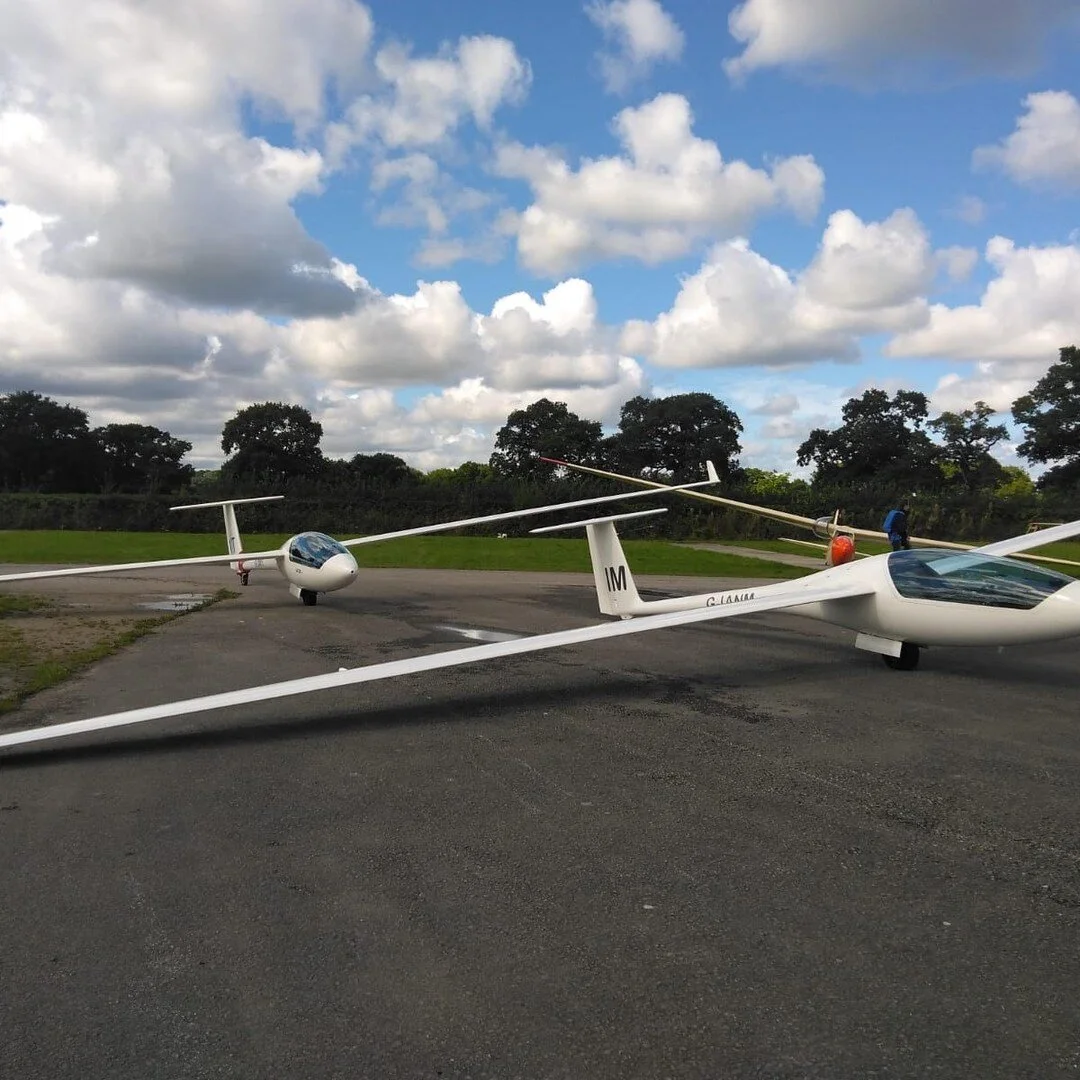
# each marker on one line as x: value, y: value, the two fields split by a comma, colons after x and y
x: 639, y: 33
x: 874, y: 40
x: 1044, y: 149
x: 1026, y: 313
x: 741, y: 309
x: 666, y: 192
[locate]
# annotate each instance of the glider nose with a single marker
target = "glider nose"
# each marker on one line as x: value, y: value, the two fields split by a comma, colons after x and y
x: 339, y: 571
x: 1064, y: 610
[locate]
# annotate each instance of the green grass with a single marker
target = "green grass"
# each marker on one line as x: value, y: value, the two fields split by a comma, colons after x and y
x: 420, y: 552
x: 20, y: 605
x: 72, y: 546
x: 30, y: 673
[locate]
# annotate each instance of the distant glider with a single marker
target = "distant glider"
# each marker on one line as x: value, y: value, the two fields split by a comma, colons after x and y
x: 840, y: 539
x: 311, y: 562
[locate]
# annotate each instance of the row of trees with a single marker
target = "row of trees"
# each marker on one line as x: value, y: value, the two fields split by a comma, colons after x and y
x: 886, y: 448
x: 47, y: 446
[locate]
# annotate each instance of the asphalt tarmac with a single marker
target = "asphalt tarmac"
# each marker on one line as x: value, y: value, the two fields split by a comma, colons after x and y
x: 727, y: 850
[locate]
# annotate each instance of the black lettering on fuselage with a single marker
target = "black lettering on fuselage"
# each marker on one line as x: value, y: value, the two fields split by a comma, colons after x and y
x: 615, y: 576
x: 728, y: 598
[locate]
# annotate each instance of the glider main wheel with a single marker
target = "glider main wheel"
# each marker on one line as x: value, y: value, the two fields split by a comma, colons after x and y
x: 908, y: 660
x: 244, y: 577
x: 308, y: 597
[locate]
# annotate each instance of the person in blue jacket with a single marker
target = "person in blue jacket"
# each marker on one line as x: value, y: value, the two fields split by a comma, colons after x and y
x: 895, y: 525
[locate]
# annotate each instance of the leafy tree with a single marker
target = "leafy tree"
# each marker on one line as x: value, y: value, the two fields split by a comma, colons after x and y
x: 44, y: 445
x: 1050, y: 417
x: 382, y: 470
x: 139, y: 459
x: 468, y: 472
x: 673, y: 436
x: 773, y: 488
x: 967, y: 438
x: 1014, y: 483
x: 545, y: 428
x: 879, y: 444
x: 272, y: 442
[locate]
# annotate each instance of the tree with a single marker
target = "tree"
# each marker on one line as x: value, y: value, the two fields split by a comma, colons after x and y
x: 880, y: 443
x: 140, y: 459
x: 545, y: 428
x: 1050, y: 417
x: 1014, y: 483
x: 673, y: 436
x: 772, y: 488
x: 967, y: 438
x: 44, y: 445
x: 272, y: 442
x: 381, y: 470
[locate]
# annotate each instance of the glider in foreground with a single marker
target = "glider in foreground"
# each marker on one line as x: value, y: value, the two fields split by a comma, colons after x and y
x: 311, y: 562
x: 895, y: 603
x: 840, y: 539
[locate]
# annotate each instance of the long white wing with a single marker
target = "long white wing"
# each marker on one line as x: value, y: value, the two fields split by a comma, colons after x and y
x: 799, y: 594
x: 446, y: 526
x: 805, y: 522
x: 199, y: 560
x: 1017, y: 544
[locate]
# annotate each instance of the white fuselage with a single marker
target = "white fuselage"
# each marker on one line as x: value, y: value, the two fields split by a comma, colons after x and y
x: 310, y: 561
x: 885, y: 613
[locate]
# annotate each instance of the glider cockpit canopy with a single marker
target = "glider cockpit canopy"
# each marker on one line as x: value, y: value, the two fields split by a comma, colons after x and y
x: 314, y: 549
x: 968, y: 578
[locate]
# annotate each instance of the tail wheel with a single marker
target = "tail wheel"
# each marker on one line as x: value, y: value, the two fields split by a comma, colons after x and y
x: 308, y: 597
x: 908, y: 660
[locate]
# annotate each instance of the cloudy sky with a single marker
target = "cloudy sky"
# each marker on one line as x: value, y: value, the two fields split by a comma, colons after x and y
x: 415, y: 216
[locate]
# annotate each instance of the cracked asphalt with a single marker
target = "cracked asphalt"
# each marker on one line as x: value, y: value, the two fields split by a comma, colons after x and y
x: 720, y: 851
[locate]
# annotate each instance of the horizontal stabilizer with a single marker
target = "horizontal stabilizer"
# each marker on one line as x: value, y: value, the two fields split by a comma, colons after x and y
x: 227, y: 502
x: 598, y: 520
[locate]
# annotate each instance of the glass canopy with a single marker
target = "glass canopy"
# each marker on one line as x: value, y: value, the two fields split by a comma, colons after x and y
x: 970, y: 578
x: 313, y: 549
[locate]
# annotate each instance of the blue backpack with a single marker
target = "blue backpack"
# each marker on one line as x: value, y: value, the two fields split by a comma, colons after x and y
x: 890, y: 517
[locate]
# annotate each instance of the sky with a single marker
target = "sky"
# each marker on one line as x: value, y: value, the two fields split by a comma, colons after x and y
x: 414, y: 217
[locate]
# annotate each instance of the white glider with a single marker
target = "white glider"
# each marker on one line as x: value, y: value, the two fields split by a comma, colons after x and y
x: 840, y: 546
x: 311, y: 562
x: 896, y: 603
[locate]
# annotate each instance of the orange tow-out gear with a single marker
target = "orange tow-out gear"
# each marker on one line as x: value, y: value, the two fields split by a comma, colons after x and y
x: 841, y: 550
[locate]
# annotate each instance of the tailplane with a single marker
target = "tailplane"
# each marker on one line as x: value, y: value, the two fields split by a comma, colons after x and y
x: 615, y: 588
x: 232, y: 530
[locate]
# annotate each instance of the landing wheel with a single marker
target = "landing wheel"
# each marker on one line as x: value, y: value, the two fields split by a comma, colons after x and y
x: 244, y: 575
x: 308, y: 597
x: 908, y: 660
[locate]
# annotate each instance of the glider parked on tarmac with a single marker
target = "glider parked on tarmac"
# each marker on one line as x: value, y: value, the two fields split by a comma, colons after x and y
x: 896, y: 603
x: 840, y: 546
x: 311, y: 562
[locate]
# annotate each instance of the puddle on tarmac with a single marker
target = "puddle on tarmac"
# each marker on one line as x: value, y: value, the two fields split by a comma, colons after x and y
x: 184, y: 601
x: 480, y: 635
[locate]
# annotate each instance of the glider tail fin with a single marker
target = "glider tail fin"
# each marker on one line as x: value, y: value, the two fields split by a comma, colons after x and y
x: 232, y: 530
x: 615, y: 588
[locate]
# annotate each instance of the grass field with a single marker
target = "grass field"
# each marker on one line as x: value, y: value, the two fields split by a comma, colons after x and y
x: 434, y: 552
x: 421, y: 552
x: 1068, y: 550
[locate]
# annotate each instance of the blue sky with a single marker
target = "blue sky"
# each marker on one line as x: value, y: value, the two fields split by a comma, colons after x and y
x: 156, y: 213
